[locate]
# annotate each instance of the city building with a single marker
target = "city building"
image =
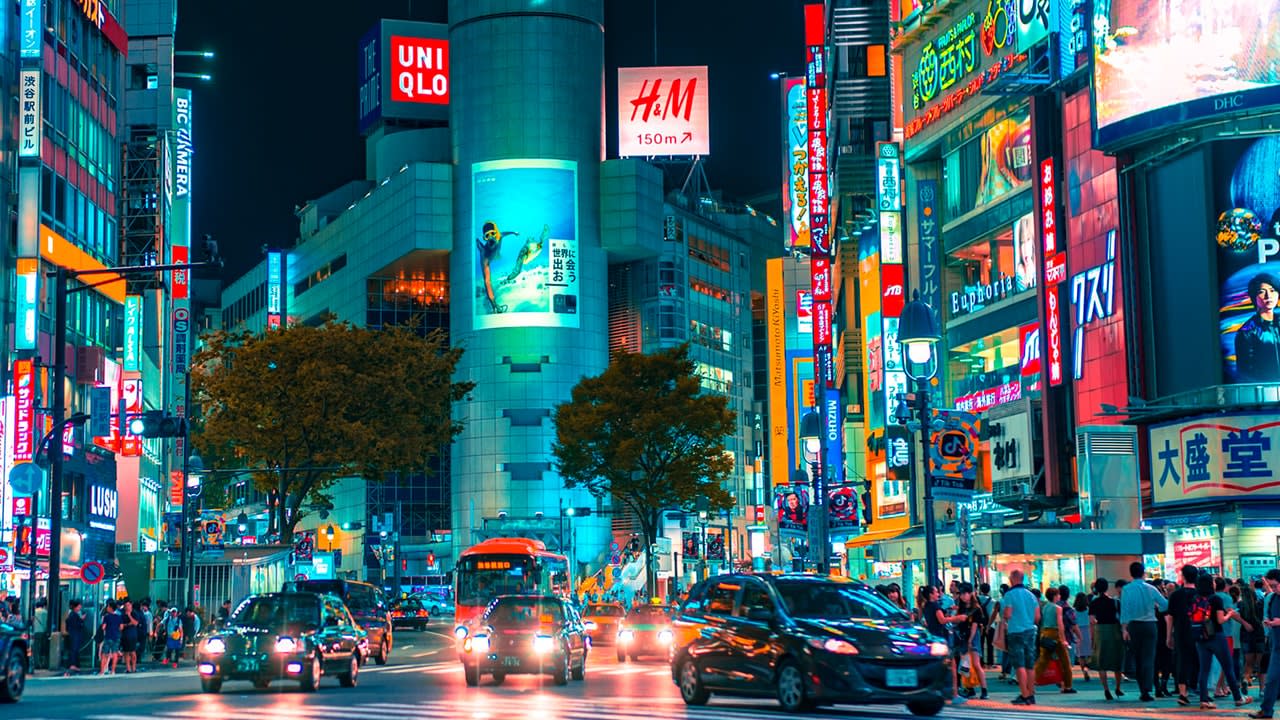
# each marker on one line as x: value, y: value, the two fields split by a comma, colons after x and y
x: 535, y: 253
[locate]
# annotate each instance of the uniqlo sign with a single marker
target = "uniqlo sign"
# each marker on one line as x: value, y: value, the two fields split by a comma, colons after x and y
x: 24, y: 398
x: 419, y: 70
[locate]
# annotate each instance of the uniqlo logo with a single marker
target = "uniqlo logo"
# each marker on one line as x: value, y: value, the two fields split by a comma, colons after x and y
x: 419, y: 70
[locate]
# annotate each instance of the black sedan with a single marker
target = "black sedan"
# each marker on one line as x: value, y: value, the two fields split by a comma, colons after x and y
x: 15, y: 653
x: 807, y: 640
x: 298, y: 636
x: 410, y: 613
x: 526, y: 635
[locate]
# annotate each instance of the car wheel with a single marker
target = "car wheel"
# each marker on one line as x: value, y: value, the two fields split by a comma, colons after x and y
x: 349, y: 678
x: 622, y: 656
x: 435, y: 610
x: 384, y: 652
x: 561, y: 675
x: 472, y: 675
x: 692, y: 691
x: 499, y: 678
x: 580, y: 672
x: 262, y: 684
x: 15, y: 676
x: 926, y: 707
x: 790, y: 687
x: 311, y: 680
x: 210, y: 684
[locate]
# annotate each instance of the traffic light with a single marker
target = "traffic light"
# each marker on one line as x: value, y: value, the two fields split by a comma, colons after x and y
x: 759, y: 514
x: 577, y: 511
x: 157, y: 424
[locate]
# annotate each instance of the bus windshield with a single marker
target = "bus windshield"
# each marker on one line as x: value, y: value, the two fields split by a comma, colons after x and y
x: 481, y: 579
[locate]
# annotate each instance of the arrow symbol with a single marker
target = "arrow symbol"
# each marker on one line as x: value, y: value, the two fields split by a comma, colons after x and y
x: 688, y: 137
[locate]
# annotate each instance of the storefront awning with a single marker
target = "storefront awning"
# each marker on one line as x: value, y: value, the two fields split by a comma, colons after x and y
x: 1067, y: 541
x: 869, y: 539
x: 910, y: 546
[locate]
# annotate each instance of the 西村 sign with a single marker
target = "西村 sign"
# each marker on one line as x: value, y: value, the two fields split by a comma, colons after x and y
x: 1235, y: 455
x: 663, y: 111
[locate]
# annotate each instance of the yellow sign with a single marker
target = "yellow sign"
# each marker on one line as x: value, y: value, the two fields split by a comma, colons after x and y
x: 777, y: 347
x: 93, y: 10
x: 61, y: 252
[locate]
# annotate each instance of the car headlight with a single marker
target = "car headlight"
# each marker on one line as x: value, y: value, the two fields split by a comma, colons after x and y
x: 626, y: 635
x: 460, y: 631
x: 215, y: 646
x: 286, y: 645
x: 665, y: 637
x: 834, y: 645
x: 478, y: 644
x: 590, y: 625
x: 543, y: 644
x: 939, y: 649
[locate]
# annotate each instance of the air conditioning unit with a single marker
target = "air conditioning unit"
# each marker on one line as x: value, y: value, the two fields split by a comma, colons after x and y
x: 1107, y: 466
x: 123, y: 548
x: 846, y: 149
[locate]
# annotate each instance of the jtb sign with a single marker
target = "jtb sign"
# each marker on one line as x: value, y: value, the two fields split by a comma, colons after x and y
x: 1216, y: 456
x: 663, y: 111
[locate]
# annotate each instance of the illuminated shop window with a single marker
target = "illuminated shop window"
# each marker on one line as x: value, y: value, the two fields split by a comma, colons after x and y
x: 986, y: 372
x: 992, y: 269
x: 995, y: 162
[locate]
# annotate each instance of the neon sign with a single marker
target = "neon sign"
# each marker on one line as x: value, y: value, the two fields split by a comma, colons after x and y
x: 946, y: 60
x: 956, y: 98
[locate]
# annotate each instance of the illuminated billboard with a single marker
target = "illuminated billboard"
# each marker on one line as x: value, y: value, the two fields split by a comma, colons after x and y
x: 403, y: 73
x: 795, y: 145
x: 1155, y: 67
x: 663, y: 111
x: 1247, y: 235
x: 524, y: 218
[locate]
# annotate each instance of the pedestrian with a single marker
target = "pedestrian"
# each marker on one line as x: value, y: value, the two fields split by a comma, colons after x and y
x: 1164, y: 655
x: 172, y: 626
x: 1108, y: 651
x: 970, y: 633
x: 894, y: 593
x: 1021, y: 615
x: 997, y: 621
x: 1271, y: 620
x: 190, y: 626
x: 1084, y: 646
x: 1070, y: 626
x: 75, y: 628
x: 936, y: 621
x: 129, y: 636
x: 1138, y: 604
x: 988, y: 630
x: 224, y: 613
x: 1252, y: 641
x: 1053, y: 640
x: 1186, y: 664
x: 1208, y: 616
x: 110, y: 626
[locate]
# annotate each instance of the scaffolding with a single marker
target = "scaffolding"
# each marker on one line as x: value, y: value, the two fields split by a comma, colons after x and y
x: 143, y: 205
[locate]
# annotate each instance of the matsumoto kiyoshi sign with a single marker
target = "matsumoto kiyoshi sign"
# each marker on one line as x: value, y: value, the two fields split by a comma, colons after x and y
x: 1234, y: 456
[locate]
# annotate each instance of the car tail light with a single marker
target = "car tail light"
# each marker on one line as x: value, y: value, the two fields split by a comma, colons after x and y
x: 422, y: 613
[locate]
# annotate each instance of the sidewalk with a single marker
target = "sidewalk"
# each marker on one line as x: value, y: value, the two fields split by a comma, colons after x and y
x: 92, y: 672
x: 1088, y: 699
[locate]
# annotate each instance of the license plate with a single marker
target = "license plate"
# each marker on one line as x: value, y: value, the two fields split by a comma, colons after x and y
x: 510, y: 661
x: 900, y: 677
x: 247, y: 666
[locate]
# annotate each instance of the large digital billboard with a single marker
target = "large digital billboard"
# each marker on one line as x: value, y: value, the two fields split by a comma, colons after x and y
x: 1247, y: 235
x: 524, y: 218
x: 403, y: 73
x: 663, y: 111
x: 1157, y: 65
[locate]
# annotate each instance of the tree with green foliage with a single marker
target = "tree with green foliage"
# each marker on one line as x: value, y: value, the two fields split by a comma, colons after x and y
x: 645, y: 434
x: 299, y: 407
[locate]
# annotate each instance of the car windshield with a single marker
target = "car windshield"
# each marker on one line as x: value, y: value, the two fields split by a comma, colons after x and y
x: 293, y: 612
x: 525, y: 611
x: 835, y: 601
x: 604, y: 611
x: 410, y: 604
x: 647, y: 613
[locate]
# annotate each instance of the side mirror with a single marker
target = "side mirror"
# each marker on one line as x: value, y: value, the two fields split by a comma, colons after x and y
x: 759, y: 614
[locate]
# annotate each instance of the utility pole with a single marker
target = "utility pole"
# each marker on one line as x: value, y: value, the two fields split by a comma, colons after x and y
x: 399, y: 560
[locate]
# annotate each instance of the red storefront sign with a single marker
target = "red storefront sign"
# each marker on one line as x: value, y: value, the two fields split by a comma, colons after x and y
x: 24, y: 393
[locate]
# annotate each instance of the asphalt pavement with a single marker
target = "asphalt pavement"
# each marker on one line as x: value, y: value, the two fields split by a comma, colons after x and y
x: 424, y: 680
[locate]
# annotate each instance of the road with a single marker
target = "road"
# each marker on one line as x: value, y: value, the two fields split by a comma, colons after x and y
x: 424, y: 680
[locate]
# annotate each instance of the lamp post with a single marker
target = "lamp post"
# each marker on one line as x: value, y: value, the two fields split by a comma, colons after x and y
x: 918, y: 333
x: 702, y: 542
x: 811, y: 436
x: 192, y: 468
x: 329, y: 532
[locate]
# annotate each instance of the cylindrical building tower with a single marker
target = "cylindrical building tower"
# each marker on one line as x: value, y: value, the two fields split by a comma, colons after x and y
x: 528, y: 276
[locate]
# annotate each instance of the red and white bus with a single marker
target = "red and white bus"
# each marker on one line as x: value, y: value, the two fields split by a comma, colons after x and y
x: 504, y: 566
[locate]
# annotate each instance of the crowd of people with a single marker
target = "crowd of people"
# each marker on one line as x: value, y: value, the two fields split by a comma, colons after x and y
x: 125, y: 633
x: 1202, y: 639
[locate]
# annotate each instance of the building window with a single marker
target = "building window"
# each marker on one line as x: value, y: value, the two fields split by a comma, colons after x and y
x: 991, y: 269
x: 995, y: 163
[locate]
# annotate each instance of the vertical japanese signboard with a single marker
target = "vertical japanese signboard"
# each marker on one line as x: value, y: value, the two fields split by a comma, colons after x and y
x: 31, y: 22
x: 892, y: 276
x: 929, y: 234
x: 179, y: 249
x: 1055, y: 271
x: 30, y: 120
x: 133, y: 333
x: 816, y: 112
x: 795, y: 161
x: 24, y: 399
x: 275, y: 288
x: 776, y: 338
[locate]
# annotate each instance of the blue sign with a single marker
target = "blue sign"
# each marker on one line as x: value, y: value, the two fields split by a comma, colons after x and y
x: 370, y: 77
x: 31, y: 20
x: 92, y: 572
x: 275, y: 277
x: 930, y: 226
x: 833, y: 415
x: 25, y: 479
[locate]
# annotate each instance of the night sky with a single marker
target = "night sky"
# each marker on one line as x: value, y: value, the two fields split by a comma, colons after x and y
x: 284, y: 92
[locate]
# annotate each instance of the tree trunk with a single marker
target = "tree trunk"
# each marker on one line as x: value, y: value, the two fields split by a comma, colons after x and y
x: 649, y: 525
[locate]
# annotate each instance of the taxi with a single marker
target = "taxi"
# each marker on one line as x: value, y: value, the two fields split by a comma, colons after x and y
x: 646, y: 630
x: 602, y: 621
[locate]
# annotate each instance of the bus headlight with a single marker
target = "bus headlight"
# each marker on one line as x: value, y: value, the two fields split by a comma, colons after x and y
x: 664, y: 637
x: 215, y: 646
x: 626, y: 636
x: 460, y: 632
x: 477, y: 644
x: 286, y: 645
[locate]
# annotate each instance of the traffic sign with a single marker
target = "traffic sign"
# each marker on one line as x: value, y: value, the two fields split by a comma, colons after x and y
x: 21, y: 506
x: 25, y: 479
x: 300, y: 577
x: 615, y: 559
x: 92, y: 572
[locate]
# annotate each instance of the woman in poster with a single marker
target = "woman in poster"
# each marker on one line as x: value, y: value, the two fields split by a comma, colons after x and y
x: 488, y: 247
x: 1024, y: 249
x: 1258, y: 340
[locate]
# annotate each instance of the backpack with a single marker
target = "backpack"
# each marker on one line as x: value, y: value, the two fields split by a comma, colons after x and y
x: 1202, y: 620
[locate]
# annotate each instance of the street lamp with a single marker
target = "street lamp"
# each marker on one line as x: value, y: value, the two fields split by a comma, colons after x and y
x: 702, y: 543
x: 811, y: 436
x: 192, y: 469
x: 328, y: 534
x: 242, y: 523
x: 918, y: 333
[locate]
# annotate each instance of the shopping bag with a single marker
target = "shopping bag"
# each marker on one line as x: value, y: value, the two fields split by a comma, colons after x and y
x: 1050, y: 675
x: 970, y: 679
x: 964, y: 664
x: 999, y: 641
